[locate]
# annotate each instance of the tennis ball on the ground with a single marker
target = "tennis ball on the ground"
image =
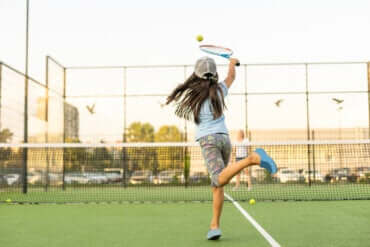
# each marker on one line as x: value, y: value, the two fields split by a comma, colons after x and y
x: 8, y: 200
x: 252, y: 201
x: 199, y: 38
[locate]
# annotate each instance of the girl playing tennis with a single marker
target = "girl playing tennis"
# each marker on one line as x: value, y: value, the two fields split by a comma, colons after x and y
x: 201, y: 99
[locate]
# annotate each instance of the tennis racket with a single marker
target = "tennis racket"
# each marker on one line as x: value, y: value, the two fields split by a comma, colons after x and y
x: 217, y: 51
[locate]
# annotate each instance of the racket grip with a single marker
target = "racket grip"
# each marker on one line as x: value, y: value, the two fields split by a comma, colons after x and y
x: 237, y: 64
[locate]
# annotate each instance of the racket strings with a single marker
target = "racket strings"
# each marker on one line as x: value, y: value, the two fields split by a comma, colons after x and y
x: 216, y: 50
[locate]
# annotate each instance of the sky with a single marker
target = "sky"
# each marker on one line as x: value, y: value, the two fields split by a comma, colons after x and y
x: 163, y: 32
x: 116, y: 32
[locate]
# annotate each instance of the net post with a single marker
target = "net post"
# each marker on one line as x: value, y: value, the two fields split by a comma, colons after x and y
x: 308, y: 126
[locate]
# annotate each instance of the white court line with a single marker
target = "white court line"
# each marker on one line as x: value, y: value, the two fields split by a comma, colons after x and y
x: 259, y: 228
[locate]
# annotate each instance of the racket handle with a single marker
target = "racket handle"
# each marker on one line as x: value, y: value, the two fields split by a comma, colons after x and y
x: 237, y: 64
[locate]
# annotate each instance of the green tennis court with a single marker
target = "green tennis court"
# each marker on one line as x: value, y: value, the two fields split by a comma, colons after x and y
x: 169, y: 205
x: 336, y: 223
x: 114, y: 124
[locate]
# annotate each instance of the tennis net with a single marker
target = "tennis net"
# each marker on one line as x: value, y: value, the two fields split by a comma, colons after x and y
x: 128, y: 172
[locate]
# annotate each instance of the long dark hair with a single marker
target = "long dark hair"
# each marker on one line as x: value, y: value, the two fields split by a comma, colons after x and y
x: 190, y: 95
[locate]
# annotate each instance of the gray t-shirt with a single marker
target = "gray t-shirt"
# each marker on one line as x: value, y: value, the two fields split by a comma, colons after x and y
x: 207, y: 125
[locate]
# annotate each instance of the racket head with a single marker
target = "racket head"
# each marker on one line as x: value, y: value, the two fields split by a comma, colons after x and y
x: 217, y: 50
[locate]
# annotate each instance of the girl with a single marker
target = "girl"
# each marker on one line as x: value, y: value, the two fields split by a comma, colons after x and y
x: 201, y: 98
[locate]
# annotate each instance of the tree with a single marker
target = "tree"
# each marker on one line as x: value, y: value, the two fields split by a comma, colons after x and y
x: 5, y: 153
x: 102, y: 158
x: 140, y: 158
x: 140, y: 132
x: 170, y: 158
x: 6, y: 135
x: 74, y: 158
x: 168, y: 133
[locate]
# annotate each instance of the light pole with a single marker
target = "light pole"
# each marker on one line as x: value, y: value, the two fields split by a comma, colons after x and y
x: 25, y: 136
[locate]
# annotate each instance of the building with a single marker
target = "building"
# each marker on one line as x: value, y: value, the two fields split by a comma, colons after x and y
x: 71, y: 122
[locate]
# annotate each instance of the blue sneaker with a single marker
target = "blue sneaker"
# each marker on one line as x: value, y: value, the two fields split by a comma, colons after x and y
x: 266, y: 161
x: 214, y: 234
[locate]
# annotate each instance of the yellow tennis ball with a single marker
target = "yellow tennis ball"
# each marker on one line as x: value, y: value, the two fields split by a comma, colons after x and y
x: 199, y: 38
x: 252, y: 201
x: 8, y: 200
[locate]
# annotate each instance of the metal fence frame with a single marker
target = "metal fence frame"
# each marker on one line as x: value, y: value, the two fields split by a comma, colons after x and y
x: 307, y: 93
x: 125, y: 95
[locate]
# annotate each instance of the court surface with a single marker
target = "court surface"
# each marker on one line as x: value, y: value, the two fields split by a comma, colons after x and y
x: 320, y: 223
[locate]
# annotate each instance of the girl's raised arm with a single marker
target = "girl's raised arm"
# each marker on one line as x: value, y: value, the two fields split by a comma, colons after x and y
x: 231, y: 74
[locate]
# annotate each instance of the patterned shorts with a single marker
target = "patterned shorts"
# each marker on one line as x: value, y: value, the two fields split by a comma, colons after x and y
x: 216, y: 150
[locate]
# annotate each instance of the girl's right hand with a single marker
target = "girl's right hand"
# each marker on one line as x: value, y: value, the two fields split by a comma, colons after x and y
x: 234, y: 61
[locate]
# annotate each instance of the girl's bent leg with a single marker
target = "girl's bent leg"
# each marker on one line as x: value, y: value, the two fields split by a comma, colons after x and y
x: 230, y: 171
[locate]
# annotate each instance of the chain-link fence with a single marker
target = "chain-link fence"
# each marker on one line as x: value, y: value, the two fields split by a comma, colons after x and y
x: 108, y: 104
x: 269, y: 101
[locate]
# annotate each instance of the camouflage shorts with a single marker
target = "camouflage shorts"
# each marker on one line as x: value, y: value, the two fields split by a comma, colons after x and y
x: 216, y: 150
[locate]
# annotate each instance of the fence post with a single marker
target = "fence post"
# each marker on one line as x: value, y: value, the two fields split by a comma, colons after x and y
x: 124, y: 151
x: 308, y: 126
x: 313, y: 157
x: 64, y: 125
x: 186, y: 150
x: 1, y: 67
x: 47, y: 122
x: 25, y: 152
x: 246, y: 100
x: 25, y: 134
x: 368, y: 93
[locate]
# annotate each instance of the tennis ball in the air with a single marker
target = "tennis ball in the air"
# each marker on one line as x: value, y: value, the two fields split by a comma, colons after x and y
x: 8, y: 200
x: 252, y: 201
x: 199, y: 38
